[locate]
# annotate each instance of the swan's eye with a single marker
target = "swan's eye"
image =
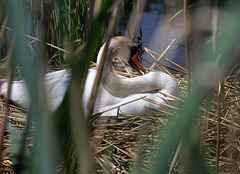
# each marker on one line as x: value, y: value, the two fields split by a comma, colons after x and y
x: 134, y: 51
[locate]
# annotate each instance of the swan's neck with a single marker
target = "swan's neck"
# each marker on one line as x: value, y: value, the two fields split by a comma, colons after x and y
x: 123, y: 87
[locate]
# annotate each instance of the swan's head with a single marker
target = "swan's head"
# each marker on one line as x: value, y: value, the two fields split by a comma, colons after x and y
x: 126, y: 50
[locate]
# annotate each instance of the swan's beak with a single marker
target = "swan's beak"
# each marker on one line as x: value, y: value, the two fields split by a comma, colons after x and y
x: 136, y: 64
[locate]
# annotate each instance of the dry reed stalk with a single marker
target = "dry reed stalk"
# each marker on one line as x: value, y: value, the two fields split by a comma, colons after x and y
x: 171, y: 96
x: 39, y: 40
x: 157, y: 60
x: 163, y: 53
x: 152, y: 57
x: 93, y: 95
x: 168, y: 72
x: 172, y: 68
x: 125, y: 68
x: 3, y: 26
x: 186, y: 37
x: 234, y: 164
x: 175, y: 156
x: 126, y: 74
x: 137, y: 17
x: 3, y: 122
x: 218, y: 127
x: 231, y: 72
x: 121, y: 105
x: 150, y: 51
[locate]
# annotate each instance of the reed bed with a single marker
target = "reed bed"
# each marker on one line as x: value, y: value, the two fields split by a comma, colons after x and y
x: 126, y: 143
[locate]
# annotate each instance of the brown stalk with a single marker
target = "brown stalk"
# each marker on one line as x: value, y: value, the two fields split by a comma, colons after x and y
x: 140, y: 7
x: 169, y: 95
x: 3, y: 26
x: 93, y: 96
x: 118, y: 148
x: 186, y: 37
x: 152, y: 58
x: 167, y: 72
x: 231, y: 72
x: 214, y: 45
x: 121, y: 105
x: 234, y: 164
x: 150, y: 51
x: 4, y: 118
x: 159, y: 103
x: 136, y: 20
x: 164, y: 52
x: 129, y: 74
x: 218, y: 128
x: 172, y: 68
x: 146, y: 61
x: 233, y: 127
x: 37, y: 39
x: 163, y: 68
x: 175, y: 156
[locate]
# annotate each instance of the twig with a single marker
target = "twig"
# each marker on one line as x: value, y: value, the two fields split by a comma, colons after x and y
x: 130, y: 75
x: 159, y: 103
x: 37, y: 39
x: 214, y: 45
x: 92, y: 99
x: 136, y: 20
x: 3, y: 26
x: 118, y: 148
x: 140, y: 7
x: 164, y: 52
x: 234, y: 164
x: 229, y: 75
x: 218, y: 127
x: 150, y: 51
x: 169, y: 95
x: 186, y: 33
x: 3, y: 119
x: 175, y: 156
x: 167, y: 72
x: 121, y: 105
x: 157, y: 61
x: 172, y: 68
x: 180, y: 11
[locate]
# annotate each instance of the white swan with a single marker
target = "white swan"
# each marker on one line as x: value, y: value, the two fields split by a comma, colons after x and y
x: 114, y: 90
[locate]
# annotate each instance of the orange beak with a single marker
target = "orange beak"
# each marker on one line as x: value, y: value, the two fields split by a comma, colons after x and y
x: 136, y: 64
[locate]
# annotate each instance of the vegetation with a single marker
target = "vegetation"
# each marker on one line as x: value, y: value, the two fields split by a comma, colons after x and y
x: 199, y: 135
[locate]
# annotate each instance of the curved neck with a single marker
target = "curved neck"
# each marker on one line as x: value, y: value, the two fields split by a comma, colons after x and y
x: 148, y: 83
x: 123, y: 87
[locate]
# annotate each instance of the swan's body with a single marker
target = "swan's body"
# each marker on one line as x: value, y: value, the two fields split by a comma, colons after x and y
x: 113, y: 90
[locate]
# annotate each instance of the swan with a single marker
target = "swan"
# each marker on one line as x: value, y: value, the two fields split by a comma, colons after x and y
x: 114, y: 90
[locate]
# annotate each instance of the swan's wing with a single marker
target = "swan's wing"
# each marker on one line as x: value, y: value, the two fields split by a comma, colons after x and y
x: 19, y: 94
x: 56, y: 84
